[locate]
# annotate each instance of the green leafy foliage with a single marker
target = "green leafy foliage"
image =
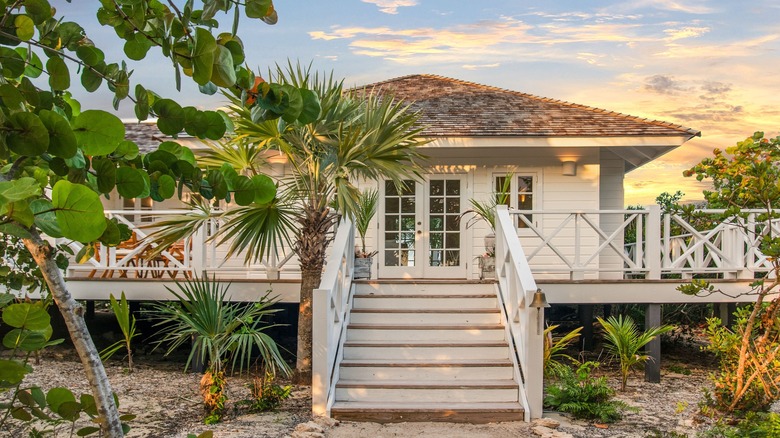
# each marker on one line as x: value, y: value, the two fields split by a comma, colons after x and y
x: 267, y: 395
x: 746, y: 176
x: 584, y: 396
x: 223, y: 331
x: 555, y: 349
x: 126, y: 321
x: 758, y: 388
x: 625, y: 341
x: 366, y: 209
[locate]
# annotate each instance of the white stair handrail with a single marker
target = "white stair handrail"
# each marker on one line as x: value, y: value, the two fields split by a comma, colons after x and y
x: 516, y: 286
x: 331, y: 304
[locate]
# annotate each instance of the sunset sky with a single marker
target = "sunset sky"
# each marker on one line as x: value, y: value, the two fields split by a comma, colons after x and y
x: 708, y: 65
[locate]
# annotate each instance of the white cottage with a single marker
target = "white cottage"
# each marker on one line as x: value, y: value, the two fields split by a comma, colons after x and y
x: 426, y: 338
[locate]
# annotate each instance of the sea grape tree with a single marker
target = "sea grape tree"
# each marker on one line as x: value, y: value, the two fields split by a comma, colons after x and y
x: 57, y: 159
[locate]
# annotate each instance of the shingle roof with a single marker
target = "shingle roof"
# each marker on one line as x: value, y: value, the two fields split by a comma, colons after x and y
x: 145, y: 135
x: 455, y: 108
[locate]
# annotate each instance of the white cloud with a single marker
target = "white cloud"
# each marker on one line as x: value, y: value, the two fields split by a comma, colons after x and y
x: 481, y: 66
x: 391, y: 6
x: 685, y: 32
x: 687, y: 6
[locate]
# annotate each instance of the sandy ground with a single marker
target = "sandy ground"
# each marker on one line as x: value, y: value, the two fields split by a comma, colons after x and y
x: 167, y: 404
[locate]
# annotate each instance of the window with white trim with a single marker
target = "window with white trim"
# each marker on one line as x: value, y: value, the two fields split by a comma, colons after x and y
x: 142, y: 204
x: 518, y: 193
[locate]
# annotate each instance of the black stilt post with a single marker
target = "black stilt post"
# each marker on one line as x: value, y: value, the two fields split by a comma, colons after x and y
x: 653, y: 348
x: 585, y: 312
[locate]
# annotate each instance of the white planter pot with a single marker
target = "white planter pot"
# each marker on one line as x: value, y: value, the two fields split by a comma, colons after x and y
x: 362, y: 267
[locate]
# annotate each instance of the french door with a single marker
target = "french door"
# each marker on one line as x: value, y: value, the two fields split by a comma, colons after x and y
x: 419, y: 231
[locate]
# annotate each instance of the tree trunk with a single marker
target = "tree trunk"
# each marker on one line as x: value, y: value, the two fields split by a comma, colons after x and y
x: 310, y: 280
x: 311, y: 246
x: 73, y: 314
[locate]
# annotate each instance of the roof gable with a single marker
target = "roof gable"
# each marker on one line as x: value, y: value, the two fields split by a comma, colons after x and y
x: 455, y: 108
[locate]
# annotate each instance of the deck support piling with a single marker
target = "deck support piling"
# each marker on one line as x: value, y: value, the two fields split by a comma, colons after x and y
x: 89, y: 315
x: 725, y: 311
x: 585, y: 313
x: 653, y: 348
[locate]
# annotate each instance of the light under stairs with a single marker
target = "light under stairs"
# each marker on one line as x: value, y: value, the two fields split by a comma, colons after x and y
x: 426, y: 352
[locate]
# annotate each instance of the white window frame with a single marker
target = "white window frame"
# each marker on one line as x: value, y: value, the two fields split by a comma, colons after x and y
x: 536, y: 194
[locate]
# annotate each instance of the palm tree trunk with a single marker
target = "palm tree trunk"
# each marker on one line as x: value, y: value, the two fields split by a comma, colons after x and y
x: 311, y: 248
x: 73, y: 314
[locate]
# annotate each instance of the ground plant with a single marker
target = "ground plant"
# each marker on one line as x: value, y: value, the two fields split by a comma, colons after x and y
x: 625, y: 341
x: 126, y: 320
x: 267, y: 394
x: 224, y: 335
x: 555, y: 349
x: 746, y: 176
x: 583, y: 396
x: 58, y: 158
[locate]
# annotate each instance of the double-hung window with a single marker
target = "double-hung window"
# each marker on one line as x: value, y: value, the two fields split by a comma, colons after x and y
x: 517, y: 191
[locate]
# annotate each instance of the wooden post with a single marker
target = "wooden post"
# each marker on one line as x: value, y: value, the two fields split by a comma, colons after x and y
x: 90, y: 313
x: 653, y: 242
x: 653, y: 348
x: 585, y: 312
x: 725, y: 311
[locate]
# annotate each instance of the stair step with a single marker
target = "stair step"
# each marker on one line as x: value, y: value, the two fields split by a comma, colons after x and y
x: 431, y: 391
x: 422, y: 316
x: 425, y: 332
x: 402, y: 288
x: 415, y: 302
x: 384, y: 412
x: 405, y: 349
x: 406, y: 370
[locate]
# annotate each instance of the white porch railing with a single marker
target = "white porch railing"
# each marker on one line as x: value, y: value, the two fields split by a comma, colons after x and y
x: 191, y: 257
x: 516, y: 286
x: 590, y: 244
x: 331, y: 304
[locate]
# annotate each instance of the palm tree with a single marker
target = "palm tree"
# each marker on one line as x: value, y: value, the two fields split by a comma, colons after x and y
x: 357, y: 135
x: 624, y: 341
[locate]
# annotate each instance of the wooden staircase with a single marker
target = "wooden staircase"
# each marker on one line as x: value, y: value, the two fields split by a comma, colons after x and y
x: 426, y: 352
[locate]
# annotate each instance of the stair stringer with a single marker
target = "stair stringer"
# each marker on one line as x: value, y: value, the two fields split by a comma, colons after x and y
x: 513, y: 356
x: 340, y: 351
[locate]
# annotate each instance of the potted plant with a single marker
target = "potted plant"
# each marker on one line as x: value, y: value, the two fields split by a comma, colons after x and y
x: 486, y: 210
x: 365, y: 212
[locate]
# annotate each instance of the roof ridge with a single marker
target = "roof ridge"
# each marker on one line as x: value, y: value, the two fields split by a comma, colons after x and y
x: 646, y: 120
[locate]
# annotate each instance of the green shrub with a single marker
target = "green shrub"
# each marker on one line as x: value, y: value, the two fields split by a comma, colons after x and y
x: 584, y: 396
x: 267, y: 395
x: 625, y: 342
x: 555, y: 348
x: 755, y: 386
x: 755, y: 424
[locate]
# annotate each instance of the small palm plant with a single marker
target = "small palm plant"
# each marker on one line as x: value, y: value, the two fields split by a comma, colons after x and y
x: 366, y: 209
x: 486, y: 210
x: 625, y: 341
x: 555, y: 347
x: 223, y: 334
x: 126, y: 321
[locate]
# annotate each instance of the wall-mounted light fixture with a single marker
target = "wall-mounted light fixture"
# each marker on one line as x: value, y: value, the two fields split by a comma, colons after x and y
x: 539, y: 302
x: 569, y: 168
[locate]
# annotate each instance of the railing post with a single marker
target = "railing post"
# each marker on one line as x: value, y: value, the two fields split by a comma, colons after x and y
x: 320, y: 337
x: 199, y: 251
x: 653, y: 242
x: 577, y: 273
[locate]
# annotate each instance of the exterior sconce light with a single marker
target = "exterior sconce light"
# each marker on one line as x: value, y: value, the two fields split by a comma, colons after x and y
x: 539, y: 302
x: 569, y: 168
